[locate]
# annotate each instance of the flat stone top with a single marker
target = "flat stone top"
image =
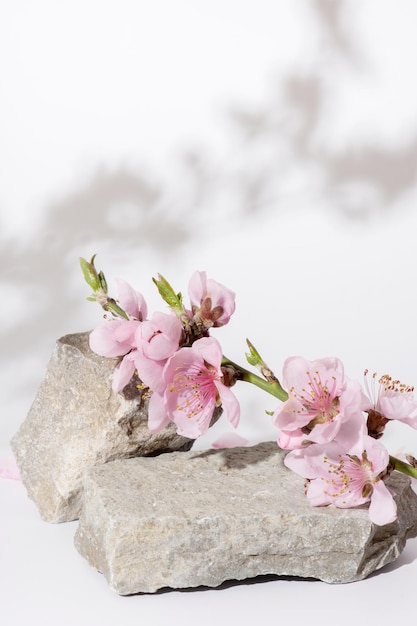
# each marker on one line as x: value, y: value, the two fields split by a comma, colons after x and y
x: 240, y: 481
x: 194, y: 518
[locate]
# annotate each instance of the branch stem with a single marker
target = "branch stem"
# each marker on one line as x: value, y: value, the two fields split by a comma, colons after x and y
x: 274, y: 388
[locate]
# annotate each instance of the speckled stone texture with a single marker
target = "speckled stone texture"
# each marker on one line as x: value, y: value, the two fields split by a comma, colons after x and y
x: 201, y: 518
x: 76, y: 421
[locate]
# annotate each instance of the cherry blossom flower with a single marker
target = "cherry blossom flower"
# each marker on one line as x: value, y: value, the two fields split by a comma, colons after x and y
x: 390, y: 400
x: 156, y: 340
x: 212, y: 304
x: 193, y: 389
x: 117, y: 336
x: 320, y: 401
x: 160, y: 336
x: 346, y: 478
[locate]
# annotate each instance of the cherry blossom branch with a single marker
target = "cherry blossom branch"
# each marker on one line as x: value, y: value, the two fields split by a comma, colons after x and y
x: 321, y: 420
x: 403, y: 467
x: 98, y: 284
x: 272, y: 387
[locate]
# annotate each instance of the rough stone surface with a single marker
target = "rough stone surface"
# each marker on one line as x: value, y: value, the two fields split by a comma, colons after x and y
x: 201, y: 518
x: 77, y: 421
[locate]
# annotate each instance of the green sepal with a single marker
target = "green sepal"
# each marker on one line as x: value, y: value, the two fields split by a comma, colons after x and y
x: 102, y: 281
x: 112, y: 306
x: 167, y: 293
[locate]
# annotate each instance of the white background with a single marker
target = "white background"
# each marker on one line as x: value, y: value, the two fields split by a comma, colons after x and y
x: 271, y: 143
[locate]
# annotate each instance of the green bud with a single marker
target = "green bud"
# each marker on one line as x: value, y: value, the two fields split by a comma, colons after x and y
x: 168, y: 295
x: 90, y: 273
x: 253, y: 357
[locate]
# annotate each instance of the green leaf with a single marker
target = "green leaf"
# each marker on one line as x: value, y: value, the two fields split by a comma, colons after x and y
x: 168, y: 294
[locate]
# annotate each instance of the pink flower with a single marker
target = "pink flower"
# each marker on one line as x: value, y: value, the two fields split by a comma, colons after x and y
x: 116, y: 336
x: 392, y: 400
x: 320, y: 401
x: 212, y: 304
x: 193, y: 388
x: 346, y: 479
x: 160, y: 336
x: 156, y: 340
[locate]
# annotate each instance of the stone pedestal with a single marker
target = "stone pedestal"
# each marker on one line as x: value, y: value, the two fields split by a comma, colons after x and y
x: 201, y: 518
x: 77, y: 421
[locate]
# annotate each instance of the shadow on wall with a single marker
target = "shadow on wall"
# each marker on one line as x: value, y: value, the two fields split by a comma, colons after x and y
x: 115, y: 210
x: 274, y: 161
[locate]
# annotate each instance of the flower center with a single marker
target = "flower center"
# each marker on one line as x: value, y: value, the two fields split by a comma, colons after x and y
x: 386, y: 385
x: 318, y: 400
x: 351, y: 475
x: 195, y: 390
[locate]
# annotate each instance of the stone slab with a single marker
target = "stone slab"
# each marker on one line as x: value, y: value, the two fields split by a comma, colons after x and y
x: 76, y: 421
x: 201, y: 518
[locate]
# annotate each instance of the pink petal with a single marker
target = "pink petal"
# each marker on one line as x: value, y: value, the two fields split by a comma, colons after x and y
x: 224, y: 297
x: 160, y: 336
x: 197, y: 425
x: 316, y: 494
x: 150, y: 372
x: 210, y: 350
x: 382, y: 509
x: 292, y: 439
x: 197, y: 287
x: 157, y: 415
x: 300, y: 462
x: 130, y: 300
x: 123, y: 373
x: 112, y: 338
x: 229, y: 402
x: 351, y: 433
x: 9, y: 469
x: 229, y: 440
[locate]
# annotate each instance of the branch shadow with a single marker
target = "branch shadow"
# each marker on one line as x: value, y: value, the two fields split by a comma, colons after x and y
x: 124, y: 210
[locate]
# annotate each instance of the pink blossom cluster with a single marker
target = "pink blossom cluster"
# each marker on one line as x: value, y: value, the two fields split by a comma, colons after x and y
x: 332, y: 429
x: 173, y: 354
x: 330, y: 425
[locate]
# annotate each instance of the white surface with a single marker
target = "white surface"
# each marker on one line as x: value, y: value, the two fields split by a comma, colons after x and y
x: 44, y: 581
x: 272, y: 143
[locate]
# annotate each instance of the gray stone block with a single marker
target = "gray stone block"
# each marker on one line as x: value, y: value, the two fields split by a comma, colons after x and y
x: 202, y: 518
x: 77, y: 421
